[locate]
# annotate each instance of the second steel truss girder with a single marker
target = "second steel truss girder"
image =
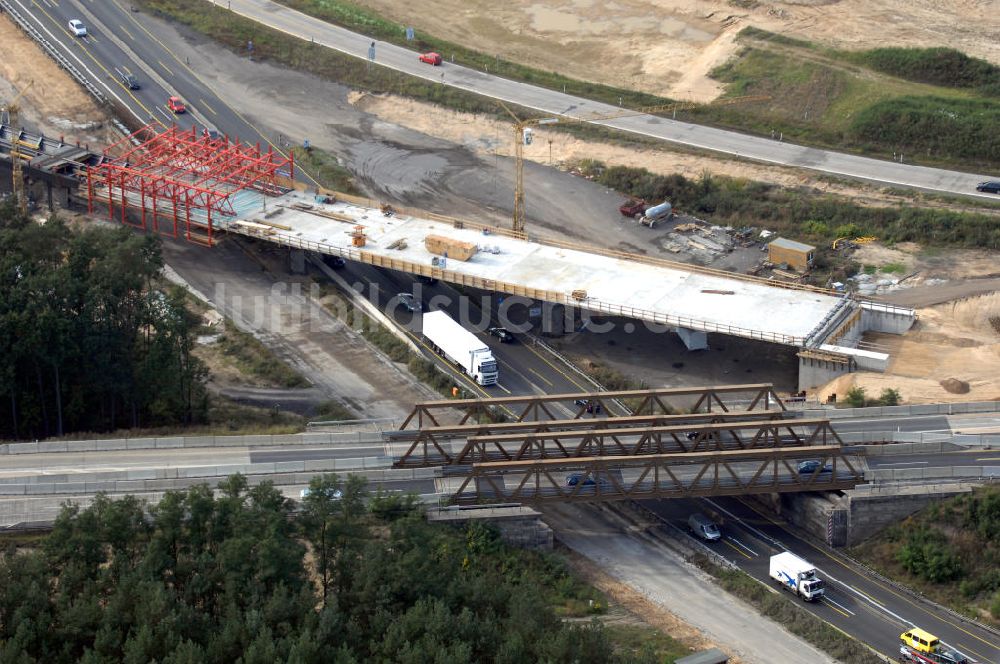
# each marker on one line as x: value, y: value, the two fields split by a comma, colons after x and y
x: 650, y: 401
x: 734, y: 472
x: 430, y: 446
x: 635, y: 441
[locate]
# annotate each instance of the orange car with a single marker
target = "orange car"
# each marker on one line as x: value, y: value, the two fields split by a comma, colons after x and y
x: 176, y: 105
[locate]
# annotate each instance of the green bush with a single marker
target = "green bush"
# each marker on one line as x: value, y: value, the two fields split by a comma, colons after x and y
x: 948, y: 128
x: 856, y: 397
x: 889, y: 397
x: 927, y: 555
x: 936, y: 66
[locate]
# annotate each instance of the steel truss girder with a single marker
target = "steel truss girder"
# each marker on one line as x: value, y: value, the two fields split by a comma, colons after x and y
x: 636, y: 441
x: 430, y: 446
x: 650, y: 402
x: 733, y: 472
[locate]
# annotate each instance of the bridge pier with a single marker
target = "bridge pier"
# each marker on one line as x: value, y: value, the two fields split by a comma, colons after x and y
x: 297, y: 261
x: 519, y: 525
x: 693, y: 339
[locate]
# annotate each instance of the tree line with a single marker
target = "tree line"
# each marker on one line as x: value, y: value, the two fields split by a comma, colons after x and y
x: 89, y: 339
x: 242, y: 574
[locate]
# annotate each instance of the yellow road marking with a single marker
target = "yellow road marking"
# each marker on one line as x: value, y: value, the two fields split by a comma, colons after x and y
x: 737, y: 549
x: 541, y: 377
x: 232, y: 110
x: 126, y: 32
x: 152, y: 117
x: 165, y: 67
x: 205, y: 104
x: 847, y: 566
x: 843, y: 613
x: 977, y: 654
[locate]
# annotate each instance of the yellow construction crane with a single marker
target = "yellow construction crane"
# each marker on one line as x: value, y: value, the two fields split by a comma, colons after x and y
x: 15, y: 154
x: 522, y: 136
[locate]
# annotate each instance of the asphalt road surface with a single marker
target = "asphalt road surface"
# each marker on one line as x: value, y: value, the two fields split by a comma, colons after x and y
x: 870, y: 610
x: 556, y: 103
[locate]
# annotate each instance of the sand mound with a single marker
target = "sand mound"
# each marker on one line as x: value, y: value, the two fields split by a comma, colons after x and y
x: 955, y: 386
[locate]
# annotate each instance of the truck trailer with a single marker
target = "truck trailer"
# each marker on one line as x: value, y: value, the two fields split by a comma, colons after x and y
x: 797, y: 575
x: 654, y: 215
x: 460, y: 346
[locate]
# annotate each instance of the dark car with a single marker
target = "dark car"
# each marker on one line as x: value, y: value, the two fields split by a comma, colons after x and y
x: 592, y: 407
x: 990, y: 187
x: 336, y: 262
x: 810, y: 466
x: 409, y: 302
x: 128, y: 80
x: 502, y: 334
x: 586, y: 480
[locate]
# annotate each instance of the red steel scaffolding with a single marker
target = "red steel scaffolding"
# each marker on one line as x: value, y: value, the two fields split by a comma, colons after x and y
x: 182, y: 179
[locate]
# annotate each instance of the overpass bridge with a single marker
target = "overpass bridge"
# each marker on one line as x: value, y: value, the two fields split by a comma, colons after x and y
x: 181, y: 182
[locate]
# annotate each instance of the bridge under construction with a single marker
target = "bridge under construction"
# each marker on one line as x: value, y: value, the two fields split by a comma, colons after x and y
x: 184, y: 183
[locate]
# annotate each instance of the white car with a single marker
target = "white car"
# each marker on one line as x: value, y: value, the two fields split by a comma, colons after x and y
x: 77, y: 27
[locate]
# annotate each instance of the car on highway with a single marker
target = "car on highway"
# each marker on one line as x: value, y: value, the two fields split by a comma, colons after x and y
x: 128, y: 80
x: 810, y: 466
x: 591, y: 407
x: 77, y: 28
x: 335, y: 262
x: 582, y: 479
x: 431, y: 58
x: 703, y: 527
x: 336, y: 494
x: 990, y: 187
x: 176, y: 105
x: 501, y: 333
x: 409, y: 302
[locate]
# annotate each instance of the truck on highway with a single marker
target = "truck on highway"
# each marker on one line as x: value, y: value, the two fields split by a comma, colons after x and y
x: 797, y: 575
x: 662, y: 212
x: 460, y: 346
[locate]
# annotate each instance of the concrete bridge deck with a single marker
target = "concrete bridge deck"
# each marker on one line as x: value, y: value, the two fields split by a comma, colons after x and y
x: 657, y: 291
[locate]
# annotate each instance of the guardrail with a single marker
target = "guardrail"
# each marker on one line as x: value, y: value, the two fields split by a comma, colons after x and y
x: 270, y: 234
x: 54, y: 53
x: 174, y: 442
x: 961, y: 408
x: 978, y: 474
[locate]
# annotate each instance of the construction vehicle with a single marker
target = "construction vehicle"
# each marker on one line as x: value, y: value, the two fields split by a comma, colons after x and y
x: 922, y: 647
x: 662, y: 212
x: 460, y: 346
x: 523, y: 136
x: 12, y: 109
x: 797, y: 575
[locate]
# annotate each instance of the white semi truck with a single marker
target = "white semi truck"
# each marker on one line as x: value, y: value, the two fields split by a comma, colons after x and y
x: 461, y: 347
x: 797, y: 575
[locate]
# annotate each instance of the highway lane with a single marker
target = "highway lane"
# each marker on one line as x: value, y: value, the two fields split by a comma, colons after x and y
x: 549, y: 101
x: 975, y: 457
x: 909, y: 424
x: 871, y: 610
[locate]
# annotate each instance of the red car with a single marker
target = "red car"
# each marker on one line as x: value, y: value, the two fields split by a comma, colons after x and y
x: 176, y: 105
x: 431, y: 58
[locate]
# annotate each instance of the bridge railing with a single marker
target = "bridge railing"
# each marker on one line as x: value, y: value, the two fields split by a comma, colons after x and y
x: 276, y: 236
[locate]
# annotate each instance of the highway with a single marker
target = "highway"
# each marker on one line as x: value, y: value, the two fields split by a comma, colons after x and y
x: 871, y: 610
x: 861, y: 605
x: 556, y: 103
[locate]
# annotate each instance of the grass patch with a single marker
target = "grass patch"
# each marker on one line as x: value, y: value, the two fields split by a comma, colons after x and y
x: 949, y: 551
x: 361, y: 19
x: 332, y: 410
x: 893, y: 268
x: 325, y: 168
x: 782, y: 609
x: 255, y: 359
x: 946, y: 67
x: 645, y: 644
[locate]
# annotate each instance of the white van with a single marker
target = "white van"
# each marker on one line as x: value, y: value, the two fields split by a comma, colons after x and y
x: 704, y: 527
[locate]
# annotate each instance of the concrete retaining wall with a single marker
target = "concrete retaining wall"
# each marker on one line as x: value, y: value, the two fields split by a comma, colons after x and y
x: 117, y: 444
x: 871, y: 512
x: 520, y: 526
x: 878, y: 317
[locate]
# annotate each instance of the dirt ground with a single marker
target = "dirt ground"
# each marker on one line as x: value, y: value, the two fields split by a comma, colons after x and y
x: 54, y: 104
x: 668, y: 47
x: 487, y: 137
x: 952, y: 340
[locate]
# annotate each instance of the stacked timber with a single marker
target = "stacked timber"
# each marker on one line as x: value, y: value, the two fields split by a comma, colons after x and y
x: 453, y: 249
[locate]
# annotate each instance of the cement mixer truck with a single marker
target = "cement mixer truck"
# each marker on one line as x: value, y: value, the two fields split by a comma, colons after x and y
x: 654, y: 215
